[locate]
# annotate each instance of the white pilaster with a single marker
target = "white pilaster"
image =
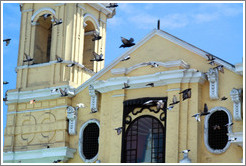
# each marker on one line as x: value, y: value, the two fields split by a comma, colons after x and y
x: 236, y: 95
x: 213, y: 78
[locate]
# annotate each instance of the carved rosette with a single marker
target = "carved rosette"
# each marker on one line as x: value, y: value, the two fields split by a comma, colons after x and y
x: 236, y: 95
x: 72, y: 117
x: 93, y: 93
x: 213, y: 78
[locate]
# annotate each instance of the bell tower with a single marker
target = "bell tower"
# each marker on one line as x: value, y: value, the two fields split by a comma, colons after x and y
x: 37, y: 118
x: 62, y: 30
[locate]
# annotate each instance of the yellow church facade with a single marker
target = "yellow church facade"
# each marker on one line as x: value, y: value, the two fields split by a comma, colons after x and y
x: 80, y: 126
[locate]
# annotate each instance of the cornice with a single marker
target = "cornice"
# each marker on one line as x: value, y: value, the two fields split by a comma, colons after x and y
x: 40, y: 155
x: 159, y: 79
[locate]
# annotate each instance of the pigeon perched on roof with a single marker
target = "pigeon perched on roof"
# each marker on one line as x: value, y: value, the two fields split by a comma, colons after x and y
x: 54, y: 90
x: 63, y: 92
x: 97, y: 57
x: 59, y: 59
x: 72, y: 64
x: 56, y: 21
x: 205, y: 110
x: 32, y: 101
x: 220, y: 68
x: 127, y: 43
x: 126, y: 86
x: 223, y: 98
x: 112, y: 5
x: 28, y: 58
x: 174, y: 100
x: 7, y: 41
x: 150, y: 84
x: 45, y: 16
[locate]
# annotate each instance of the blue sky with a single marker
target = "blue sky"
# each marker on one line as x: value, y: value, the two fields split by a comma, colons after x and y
x: 214, y: 27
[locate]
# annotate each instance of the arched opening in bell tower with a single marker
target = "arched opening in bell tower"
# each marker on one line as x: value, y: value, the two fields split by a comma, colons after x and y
x: 42, y: 44
x: 89, y: 45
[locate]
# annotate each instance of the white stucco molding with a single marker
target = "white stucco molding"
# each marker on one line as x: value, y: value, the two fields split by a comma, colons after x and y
x: 93, y: 93
x: 102, y: 7
x: 213, y: 78
x: 81, y: 154
x: 206, y: 120
x: 39, y: 156
x: 239, y: 136
x: 39, y: 94
x: 159, y: 79
x: 239, y: 68
x: 49, y: 10
x: 90, y: 17
x: 72, y: 114
x: 164, y: 64
x: 236, y: 96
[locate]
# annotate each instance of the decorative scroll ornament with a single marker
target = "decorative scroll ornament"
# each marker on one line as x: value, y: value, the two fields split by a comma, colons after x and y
x: 72, y: 117
x: 213, y: 78
x: 236, y: 95
x: 93, y: 93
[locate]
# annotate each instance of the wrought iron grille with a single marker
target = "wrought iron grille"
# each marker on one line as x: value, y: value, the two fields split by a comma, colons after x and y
x: 217, y: 133
x: 90, y: 140
x: 144, y: 138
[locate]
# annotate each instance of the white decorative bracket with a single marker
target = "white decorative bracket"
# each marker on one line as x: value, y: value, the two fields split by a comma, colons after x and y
x: 213, y: 78
x: 72, y: 117
x: 93, y: 93
x: 236, y: 95
x: 238, y: 136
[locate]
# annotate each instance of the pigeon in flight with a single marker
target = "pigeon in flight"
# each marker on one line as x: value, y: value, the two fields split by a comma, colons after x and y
x: 112, y: 5
x: 45, y: 16
x: 6, y: 95
x: 197, y: 116
x: 127, y: 43
x: 220, y: 68
x: 59, y: 60
x: 174, y: 100
x: 211, y: 63
x: 150, y: 84
x: 57, y: 22
x: 97, y: 57
x: 186, y: 93
x: 126, y: 86
x: 5, y: 82
x: 96, y: 36
x: 223, y: 98
x: 119, y: 130
x: 170, y: 107
x: 215, y: 127
x: 32, y: 101
x: 159, y: 103
x: 205, y: 110
x: 63, y: 92
x: 229, y: 124
x: 7, y: 41
x: 28, y: 58
x: 57, y: 161
x: 126, y: 58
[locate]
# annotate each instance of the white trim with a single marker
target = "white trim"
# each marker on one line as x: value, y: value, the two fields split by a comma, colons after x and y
x: 239, y: 136
x: 119, y: 95
x: 81, y: 141
x: 164, y: 64
x: 100, y: 7
x: 43, y: 9
x: 129, y: 51
x: 159, y: 79
x: 81, y: 7
x: 59, y: 4
x: 44, y: 109
x: 239, y: 68
x: 27, y: 10
x: 216, y: 151
x: 236, y: 97
x: 176, y: 89
x: 39, y: 94
x: 39, y: 156
x: 94, y: 20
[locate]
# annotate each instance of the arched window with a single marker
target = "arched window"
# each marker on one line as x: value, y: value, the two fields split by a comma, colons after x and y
x: 145, y: 141
x: 215, y: 131
x: 89, y: 46
x: 88, y: 141
x: 42, y: 44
